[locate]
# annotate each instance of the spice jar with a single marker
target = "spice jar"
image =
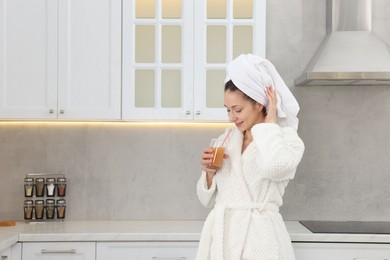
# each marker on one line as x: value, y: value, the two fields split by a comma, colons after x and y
x: 61, y: 209
x: 61, y: 186
x: 28, y: 187
x: 50, y: 206
x: 39, y: 187
x: 39, y: 208
x: 28, y: 209
x: 50, y: 187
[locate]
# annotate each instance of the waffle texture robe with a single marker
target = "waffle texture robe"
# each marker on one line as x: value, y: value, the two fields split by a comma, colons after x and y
x: 246, y: 193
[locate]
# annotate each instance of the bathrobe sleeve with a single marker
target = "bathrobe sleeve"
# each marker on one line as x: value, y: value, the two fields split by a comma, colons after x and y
x: 280, y: 150
x: 206, y: 196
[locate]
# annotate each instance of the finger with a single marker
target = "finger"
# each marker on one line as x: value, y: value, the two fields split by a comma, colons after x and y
x: 205, y: 162
x: 207, y: 150
x: 207, y: 157
x: 268, y: 90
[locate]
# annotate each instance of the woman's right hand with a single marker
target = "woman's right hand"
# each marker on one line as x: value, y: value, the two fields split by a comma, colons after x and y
x: 206, y: 160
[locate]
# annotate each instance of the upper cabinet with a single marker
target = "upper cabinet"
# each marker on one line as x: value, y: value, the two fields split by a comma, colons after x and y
x: 60, y: 59
x: 175, y: 54
x: 129, y: 59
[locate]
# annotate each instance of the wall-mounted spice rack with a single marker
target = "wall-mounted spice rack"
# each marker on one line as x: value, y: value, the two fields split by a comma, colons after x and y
x: 44, y: 197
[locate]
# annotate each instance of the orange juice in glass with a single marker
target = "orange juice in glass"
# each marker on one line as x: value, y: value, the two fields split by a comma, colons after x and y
x: 218, y: 152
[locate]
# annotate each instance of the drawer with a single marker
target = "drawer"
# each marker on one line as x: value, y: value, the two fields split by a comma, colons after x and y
x: 59, y: 251
x: 341, y: 251
x: 147, y: 250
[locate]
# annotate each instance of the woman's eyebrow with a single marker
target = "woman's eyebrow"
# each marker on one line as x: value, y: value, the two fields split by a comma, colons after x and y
x: 233, y: 106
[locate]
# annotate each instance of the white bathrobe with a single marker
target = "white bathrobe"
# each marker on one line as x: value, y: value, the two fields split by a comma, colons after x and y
x: 247, y: 190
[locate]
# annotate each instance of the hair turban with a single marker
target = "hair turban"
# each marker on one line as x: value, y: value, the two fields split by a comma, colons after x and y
x: 252, y: 75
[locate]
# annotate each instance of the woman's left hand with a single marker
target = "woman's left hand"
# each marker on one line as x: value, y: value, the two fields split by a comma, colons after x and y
x: 272, y: 99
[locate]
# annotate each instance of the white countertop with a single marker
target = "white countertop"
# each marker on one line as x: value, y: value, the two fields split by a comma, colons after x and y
x: 149, y: 231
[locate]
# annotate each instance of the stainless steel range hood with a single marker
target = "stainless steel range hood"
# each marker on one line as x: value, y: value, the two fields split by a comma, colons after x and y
x: 350, y: 53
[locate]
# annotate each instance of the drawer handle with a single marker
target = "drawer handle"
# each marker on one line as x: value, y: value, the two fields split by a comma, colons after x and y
x: 3, y: 257
x: 169, y: 258
x: 70, y: 251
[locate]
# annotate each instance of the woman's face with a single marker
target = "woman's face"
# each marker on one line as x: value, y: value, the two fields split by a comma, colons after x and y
x: 241, y: 111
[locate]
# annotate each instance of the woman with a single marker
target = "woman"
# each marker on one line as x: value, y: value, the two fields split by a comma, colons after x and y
x: 262, y: 153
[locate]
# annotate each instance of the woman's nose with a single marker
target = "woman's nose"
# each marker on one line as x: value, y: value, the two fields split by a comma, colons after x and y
x: 232, y: 118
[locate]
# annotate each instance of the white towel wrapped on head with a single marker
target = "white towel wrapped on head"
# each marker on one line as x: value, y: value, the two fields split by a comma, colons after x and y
x: 252, y: 75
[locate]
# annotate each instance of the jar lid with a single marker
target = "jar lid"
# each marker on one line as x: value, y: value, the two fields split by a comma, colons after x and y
x: 61, y: 179
x: 28, y: 179
x: 39, y: 180
x: 61, y: 201
x: 50, y: 180
x: 49, y: 201
x: 28, y: 202
x: 39, y: 202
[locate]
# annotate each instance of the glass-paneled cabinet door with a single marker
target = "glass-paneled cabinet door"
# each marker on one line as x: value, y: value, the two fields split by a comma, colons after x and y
x: 175, y: 54
x: 224, y: 29
x: 157, y: 59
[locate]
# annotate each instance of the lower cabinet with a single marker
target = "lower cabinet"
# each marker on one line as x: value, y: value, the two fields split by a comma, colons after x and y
x: 178, y: 251
x: 341, y: 251
x: 6, y: 254
x: 146, y: 250
x: 59, y: 251
x: 12, y: 253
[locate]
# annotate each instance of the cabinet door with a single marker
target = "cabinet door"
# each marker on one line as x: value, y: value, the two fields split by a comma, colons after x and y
x: 224, y: 30
x: 16, y: 251
x: 341, y: 251
x: 6, y: 254
x: 89, y: 70
x: 157, y: 59
x: 28, y: 59
x: 13, y: 252
x: 59, y: 251
x: 147, y: 250
x: 174, y: 62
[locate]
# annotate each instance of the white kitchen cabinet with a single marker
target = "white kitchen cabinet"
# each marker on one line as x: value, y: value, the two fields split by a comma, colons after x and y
x: 13, y: 252
x: 6, y: 254
x: 175, y: 54
x: 341, y: 251
x: 60, y: 59
x: 16, y: 251
x: 146, y: 250
x: 59, y: 251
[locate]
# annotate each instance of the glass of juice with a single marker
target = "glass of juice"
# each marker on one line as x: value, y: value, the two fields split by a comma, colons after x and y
x: 218, y: 152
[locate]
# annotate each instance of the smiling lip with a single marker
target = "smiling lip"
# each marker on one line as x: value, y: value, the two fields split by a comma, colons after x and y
x: 238, y: 124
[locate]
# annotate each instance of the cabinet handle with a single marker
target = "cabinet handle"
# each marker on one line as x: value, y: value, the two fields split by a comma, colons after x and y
x: 169, y: 258
x: 62, y: 111
x: 188, y: 112
x: 3, y: 257
x: 51, y: 111
x: 69, y: 251
x: 198, y: 112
